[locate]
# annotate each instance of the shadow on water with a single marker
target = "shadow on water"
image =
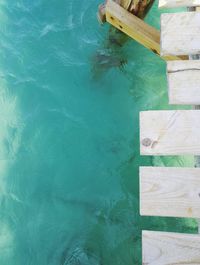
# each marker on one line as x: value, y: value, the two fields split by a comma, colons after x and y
x: 111, y: 54
x: 105, y: 60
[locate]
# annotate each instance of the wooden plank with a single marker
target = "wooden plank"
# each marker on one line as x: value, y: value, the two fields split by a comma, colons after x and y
x: 135, y: 28
x: 136, y: 7
x: 184, y: 82
x: 178, y: 3
x: 180, y: 33
x: 126, y: 3
x: 162, y: 248
x: 140, y: 8
x: 169, y: 192
x: 170, y: 132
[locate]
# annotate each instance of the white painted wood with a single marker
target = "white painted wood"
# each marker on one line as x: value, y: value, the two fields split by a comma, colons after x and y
x: 178, y: 3
x: 180, y: 33
x: 170, y: 132
x: 184, y: 82
x: 161, y: 248
x: 170, y: 191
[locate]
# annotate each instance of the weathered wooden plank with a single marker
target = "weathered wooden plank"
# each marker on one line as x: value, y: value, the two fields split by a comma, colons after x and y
x: 180, y: 33
x: 170, y: 132
x: 161, y: 248
x: 171, y: 191
x: 184, y: 82
x: 132, y: 26
x: 136, y: 7
x: 135, y: 28
x: 140, y: 8
x: 178, y: 3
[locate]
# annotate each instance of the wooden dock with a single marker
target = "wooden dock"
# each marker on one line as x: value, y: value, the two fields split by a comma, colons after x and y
x: 164, y: 191
x: 173, y: 192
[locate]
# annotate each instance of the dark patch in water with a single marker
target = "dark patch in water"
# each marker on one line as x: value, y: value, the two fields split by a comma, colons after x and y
x: 104, y: 60
x: 89, y: 207
x: 109, y: 60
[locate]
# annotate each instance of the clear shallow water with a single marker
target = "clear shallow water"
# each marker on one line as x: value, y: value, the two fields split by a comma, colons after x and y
x: 69, y: 149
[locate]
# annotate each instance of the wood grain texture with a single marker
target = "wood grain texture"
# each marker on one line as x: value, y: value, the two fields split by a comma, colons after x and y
x: 180, y: 33
x: 170, y: 132
x: 169, y: 192
x: 135, y: 28
x: 161, y: 248
x: 184, y: 82
x: 178, y: 3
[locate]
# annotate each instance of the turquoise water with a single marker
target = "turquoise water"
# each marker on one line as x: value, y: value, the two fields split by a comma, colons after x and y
x: 69, y: 137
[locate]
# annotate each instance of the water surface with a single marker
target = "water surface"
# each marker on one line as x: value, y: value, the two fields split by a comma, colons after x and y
x: 69, y: 136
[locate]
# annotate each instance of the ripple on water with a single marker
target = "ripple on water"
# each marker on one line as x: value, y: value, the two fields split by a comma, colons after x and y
x: 68, y: 177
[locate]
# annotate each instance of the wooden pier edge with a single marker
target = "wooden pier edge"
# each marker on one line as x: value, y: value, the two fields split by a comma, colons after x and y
x: 184, y: 82
x: 170, y: 192
x: 136, y: 7
x: 170, y: 132
x: 176, y: 4
x: 180, y: 33
x: 163, y: 248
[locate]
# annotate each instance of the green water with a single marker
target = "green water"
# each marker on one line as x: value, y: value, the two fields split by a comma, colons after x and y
x: 69, y: 137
